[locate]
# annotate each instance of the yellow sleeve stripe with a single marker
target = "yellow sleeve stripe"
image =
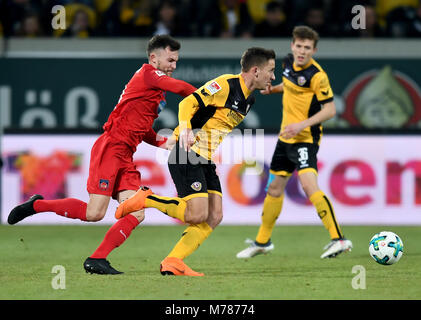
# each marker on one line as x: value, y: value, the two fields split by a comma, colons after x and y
x: 199, y: 100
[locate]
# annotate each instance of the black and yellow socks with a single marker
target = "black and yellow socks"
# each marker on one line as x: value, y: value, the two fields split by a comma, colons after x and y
x: 272, y: 207
x: 192, y: 238
x: 327, y: 215
x: 173, y: 207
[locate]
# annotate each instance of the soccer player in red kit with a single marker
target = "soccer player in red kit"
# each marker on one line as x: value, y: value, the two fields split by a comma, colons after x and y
x: 112, y: 172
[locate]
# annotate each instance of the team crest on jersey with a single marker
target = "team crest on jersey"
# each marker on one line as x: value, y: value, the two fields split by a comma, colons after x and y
x: 214, y: 87
x: 160, y: 73
x: 196, y: 186
x: 103, y: 184
x: 301, y: 80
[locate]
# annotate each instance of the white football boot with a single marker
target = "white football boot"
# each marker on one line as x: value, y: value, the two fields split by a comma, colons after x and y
x: 335, y: 247
x: 254, y: 249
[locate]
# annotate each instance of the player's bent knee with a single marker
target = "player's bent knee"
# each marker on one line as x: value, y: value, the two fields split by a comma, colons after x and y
x: 196, y: 217
x: 94, y: 216
x: 197, y: 210
x: 214, y: 219
x: 275, y: 191
x: 139, y: 215
x: 97, y: 207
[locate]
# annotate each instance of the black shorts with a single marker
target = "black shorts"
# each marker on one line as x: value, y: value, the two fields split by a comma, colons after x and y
x: 296, y: 156
x: 193, y: 175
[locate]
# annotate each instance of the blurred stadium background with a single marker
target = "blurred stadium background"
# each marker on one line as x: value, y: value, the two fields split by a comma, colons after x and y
x: 57, y: 88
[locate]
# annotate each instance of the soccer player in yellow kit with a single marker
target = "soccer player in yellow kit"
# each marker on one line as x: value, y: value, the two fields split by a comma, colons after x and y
x: 213, y: 111
x: 307, y: 102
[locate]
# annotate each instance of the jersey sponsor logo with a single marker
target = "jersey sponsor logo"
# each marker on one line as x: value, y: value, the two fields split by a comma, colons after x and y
x: 235, y: 116
x: 325, y: 92
x: 214, y: 87
x: 160, y: 73
x: 196, y: 186
x: 286, y: 72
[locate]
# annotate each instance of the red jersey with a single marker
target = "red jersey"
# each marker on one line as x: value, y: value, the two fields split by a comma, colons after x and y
x: 140, y: 102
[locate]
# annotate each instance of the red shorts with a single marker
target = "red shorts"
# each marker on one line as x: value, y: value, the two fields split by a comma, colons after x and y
x: 111, y: 168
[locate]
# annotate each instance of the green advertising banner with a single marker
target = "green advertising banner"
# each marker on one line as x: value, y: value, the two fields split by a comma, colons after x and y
x: 80, y: 93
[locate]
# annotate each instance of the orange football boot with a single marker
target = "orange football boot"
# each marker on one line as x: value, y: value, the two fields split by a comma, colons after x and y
x: 134, y: 203
x: 176, y: 267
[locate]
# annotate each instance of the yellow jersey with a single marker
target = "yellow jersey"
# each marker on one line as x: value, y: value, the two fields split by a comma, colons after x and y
x: 213, y: 111
x: 305, y: 90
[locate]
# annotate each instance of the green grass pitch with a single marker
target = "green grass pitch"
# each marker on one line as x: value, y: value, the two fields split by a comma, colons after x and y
x: 293, y: 270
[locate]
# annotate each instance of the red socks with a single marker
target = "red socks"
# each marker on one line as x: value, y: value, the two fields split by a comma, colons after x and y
x: 76, y: 209
x: 69, y: 207
x: 115, y: 236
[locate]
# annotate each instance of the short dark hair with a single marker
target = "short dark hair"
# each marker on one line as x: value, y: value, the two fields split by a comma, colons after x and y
x: 304, y: 32
x: 256, y: 57
x: 162, y: 41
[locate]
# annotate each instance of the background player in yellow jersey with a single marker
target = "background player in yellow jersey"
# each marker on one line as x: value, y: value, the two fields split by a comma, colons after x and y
x: 307, y: 102
x: 205, y: 118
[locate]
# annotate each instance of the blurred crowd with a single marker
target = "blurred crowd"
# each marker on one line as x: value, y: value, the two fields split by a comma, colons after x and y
x: 210, y: 18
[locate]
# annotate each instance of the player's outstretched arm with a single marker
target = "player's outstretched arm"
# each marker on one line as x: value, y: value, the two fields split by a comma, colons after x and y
x: 279, y: 88
x: 327, y: 112
x: 186, y: 109
x: 176, y: 86
x: 159, y: 80
x: 154, y: 139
